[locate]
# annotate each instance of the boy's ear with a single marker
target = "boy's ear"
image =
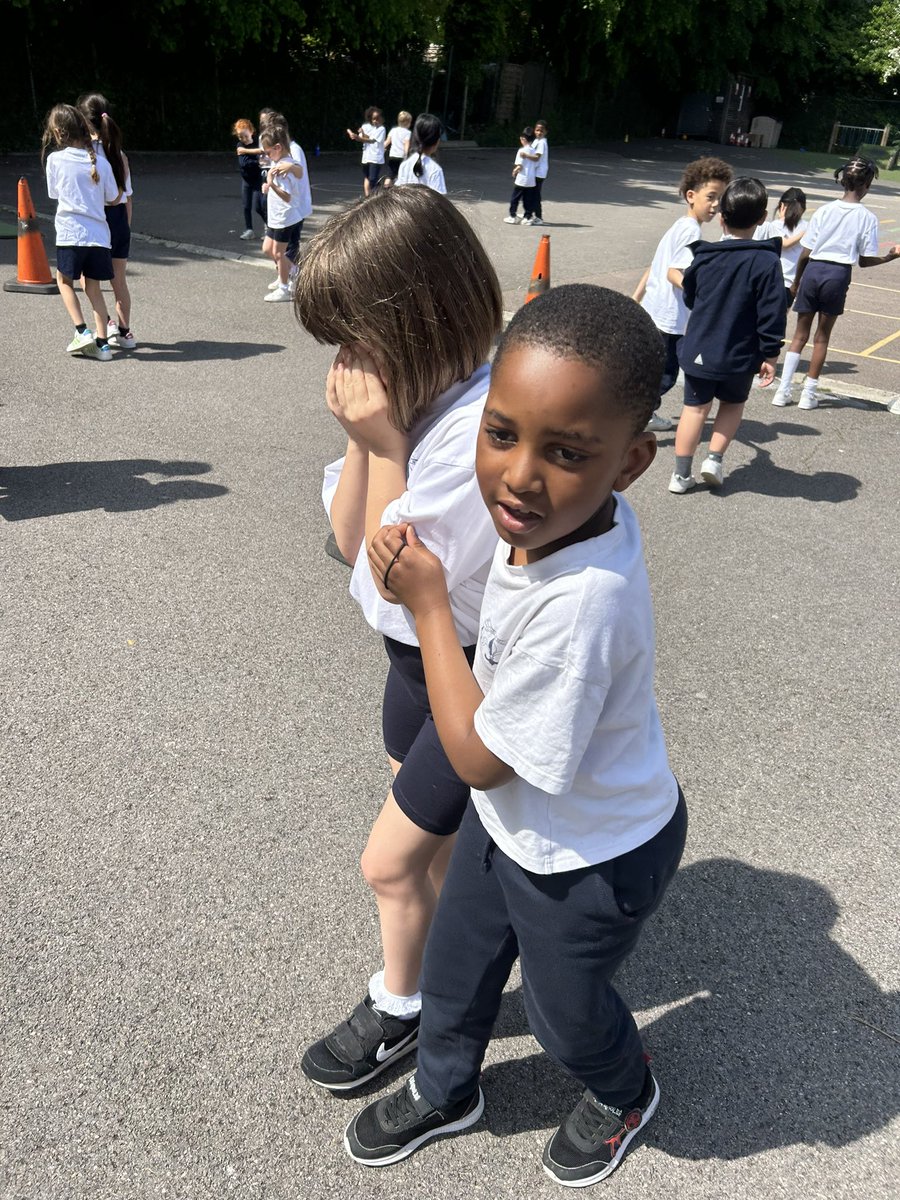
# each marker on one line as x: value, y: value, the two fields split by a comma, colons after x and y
x: 638, y: 457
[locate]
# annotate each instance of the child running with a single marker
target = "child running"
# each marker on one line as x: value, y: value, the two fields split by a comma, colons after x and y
x: 283, y: 203
x: 82, y: 185
x: 577, y: 823
x: 735, y: 292
x: 524, y: 185
x: 415, y: 321
x: 840, y: 234
x: 248, y: 152
x: 787, y: 223
x: 420, y: 166
x: 701, y: 188
x: 108, y: 145
x: 397, y: 145
x: 372, y: 135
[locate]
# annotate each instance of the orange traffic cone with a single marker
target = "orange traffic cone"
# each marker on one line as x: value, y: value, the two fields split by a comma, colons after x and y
x: 33, y: 268
x: 540, y: 273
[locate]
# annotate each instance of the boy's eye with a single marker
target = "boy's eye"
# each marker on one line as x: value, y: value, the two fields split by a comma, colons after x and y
x: 568, y: 456
x: 499, y: 437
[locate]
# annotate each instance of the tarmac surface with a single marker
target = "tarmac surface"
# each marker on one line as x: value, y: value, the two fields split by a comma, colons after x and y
x: 191, y: 753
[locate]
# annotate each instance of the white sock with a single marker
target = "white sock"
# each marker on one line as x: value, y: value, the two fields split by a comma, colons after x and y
x: 791, y: 363
x: 397, y: 1006
x: 810, y: 387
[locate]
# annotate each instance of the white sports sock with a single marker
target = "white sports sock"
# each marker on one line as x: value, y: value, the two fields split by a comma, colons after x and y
x: 791, y: 363
x: 810, y: 386
x: 397, y: 1006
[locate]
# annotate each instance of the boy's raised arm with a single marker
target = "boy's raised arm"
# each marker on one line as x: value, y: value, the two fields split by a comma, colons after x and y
x: 414, y: 577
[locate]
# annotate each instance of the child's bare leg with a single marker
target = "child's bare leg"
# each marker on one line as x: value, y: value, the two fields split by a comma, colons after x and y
x: 396, y: 864
x: 282, y: 262
x: 690, y: 428
x: 69, y: 298
x: 725, y: 426
x: 802, y: 332
x: 824, y: 326
x: 121, y: 293
x: 94, y: 293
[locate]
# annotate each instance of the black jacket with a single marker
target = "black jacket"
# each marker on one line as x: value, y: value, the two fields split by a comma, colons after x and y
x: 735, y: 291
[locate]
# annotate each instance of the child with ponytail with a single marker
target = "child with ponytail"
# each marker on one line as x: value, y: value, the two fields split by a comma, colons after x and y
x: 420, y: 167
x: 81, y: 183
x: 107, y: 137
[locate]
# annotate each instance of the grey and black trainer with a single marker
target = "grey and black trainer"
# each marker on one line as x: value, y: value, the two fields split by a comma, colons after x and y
x: 592, y: 1140
x: 394, y: 1127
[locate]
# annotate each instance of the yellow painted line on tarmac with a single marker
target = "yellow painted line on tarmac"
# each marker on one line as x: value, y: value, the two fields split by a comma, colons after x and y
x: 875, y: 287
x: 870, y: 350
x: 871, y: 357
x: 861, y: 312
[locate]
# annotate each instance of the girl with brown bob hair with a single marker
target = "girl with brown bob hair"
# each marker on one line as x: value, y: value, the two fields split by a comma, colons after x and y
x: 401, y: 284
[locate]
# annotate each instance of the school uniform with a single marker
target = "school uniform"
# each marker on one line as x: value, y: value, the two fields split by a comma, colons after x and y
x: 283, y: 217
x: 541, y: 170
x: 790, y: 257
x: 735, y: 292
x: 83, y: 239
x: 373, y: 151
x: 399, y: 139
x: 561, y: 866
x: 665, y: 302
x: 432, y: 173
x: 523, y: 187
x: 839, y: 234
x: 252, y: 198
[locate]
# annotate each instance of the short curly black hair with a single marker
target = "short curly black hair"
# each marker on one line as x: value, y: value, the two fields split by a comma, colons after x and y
x: 601, y: 328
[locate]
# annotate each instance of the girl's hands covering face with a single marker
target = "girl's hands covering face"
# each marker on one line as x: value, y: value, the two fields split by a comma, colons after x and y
x: 355, y: 393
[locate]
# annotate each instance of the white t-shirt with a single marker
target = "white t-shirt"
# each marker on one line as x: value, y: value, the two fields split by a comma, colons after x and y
x: 399, y: 142
x: 777, y: 228
x: 525, y: 178
x: 305, y: 193
x: 662, y: 300
x: 565, y: 659
x: 539, y: 146
x: 432, y: 174
x: 282, y: 213
x: 126, y: 190
x: 443, y: 501
x: 80, y: 219
x: 373, y: 152
x: 842, y: 233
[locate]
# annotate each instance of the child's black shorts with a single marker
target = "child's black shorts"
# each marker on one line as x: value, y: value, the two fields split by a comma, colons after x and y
x: 730, y: 389
x: 823, y: 288
x: 119, y: 229
x: 93, y: 262
x: 393, y: 165
x: 286, y: 234
x: 426, y: 787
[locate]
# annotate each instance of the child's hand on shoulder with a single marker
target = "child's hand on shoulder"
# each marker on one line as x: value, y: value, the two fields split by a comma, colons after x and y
x: 406, y: 572
x: 355, y: 393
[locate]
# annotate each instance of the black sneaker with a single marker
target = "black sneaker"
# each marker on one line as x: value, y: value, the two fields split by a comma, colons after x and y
x: 396, y: 1126
x: 360, y: 1048
x: 592, y: 1140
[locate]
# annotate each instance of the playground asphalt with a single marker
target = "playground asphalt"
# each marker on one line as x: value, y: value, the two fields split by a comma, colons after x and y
x: 190, y: 755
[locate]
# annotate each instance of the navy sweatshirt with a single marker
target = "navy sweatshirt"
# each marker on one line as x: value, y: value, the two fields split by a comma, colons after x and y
x: 735, y: 291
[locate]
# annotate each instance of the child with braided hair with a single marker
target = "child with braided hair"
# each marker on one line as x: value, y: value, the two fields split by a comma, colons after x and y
x: 82, y: 184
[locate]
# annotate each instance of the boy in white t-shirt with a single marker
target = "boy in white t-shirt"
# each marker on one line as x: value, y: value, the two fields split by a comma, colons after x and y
x: 577, y: 822
x: 659, y: 291
x: 541, y: 147
x: 524, y: 188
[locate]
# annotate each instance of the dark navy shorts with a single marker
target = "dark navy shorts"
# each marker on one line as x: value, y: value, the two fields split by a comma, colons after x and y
x: 823, y: 288
x: 119, y: 229
x: 94, y: 262
x: 731, y: 389
x: 372, y: 172
x: 426, y: 787
x: 286, y: 234
x: 393, y: 165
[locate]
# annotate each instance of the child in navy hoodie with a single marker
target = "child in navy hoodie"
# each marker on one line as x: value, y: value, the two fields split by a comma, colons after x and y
x: 735, y: 291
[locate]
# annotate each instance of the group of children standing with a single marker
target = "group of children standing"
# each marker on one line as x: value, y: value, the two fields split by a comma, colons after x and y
x: 411, y: 151
x: 530, y: 169
x: 89, y: 177
x: 274, y: 183
x: 721, y: 307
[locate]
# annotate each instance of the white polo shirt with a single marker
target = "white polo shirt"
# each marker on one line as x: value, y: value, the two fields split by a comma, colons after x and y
x: 842, y: 232
x: 373, y: 152
x: 432, y: 174
x: 662, y: 300
x: 80, y: 219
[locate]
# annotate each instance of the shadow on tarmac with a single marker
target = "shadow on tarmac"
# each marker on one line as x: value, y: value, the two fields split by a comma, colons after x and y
x: 203, y: 351
x: 771, y: 1034
x: 114, y: 486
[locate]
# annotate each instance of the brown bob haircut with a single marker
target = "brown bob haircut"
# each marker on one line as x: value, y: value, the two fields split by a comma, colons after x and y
x: 404, y: 274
